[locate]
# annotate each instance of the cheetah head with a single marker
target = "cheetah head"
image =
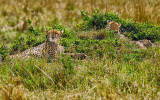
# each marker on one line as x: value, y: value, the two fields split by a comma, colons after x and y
x: 112, y: 25
x: 53, y: 35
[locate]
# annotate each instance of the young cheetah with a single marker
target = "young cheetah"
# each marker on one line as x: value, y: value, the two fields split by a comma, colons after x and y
x: 112, y: 25
x: 147, y: 43
x: 48, y: 49
x: 144, y: 44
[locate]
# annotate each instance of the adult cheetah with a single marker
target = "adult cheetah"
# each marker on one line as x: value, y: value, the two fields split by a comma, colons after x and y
x: 48, y: 49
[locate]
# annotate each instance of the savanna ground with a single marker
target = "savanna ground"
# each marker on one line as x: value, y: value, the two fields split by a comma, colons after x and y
x: 114, y: 69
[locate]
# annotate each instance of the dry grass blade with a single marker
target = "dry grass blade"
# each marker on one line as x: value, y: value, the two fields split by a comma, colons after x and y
x: 45, y: 74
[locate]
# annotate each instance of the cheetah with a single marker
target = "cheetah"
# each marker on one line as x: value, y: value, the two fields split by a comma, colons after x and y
x: 48, y: 49
x: 139, y: 44
x: 112, y: 25
x: 147, y: 43
x: 52, y: 47
x: 144, y: 44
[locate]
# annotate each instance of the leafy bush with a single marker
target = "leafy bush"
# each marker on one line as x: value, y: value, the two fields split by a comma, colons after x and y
x: 135, y: 30
x: 34, y: 38
x: 97, y: 19
x: 139, y: 31
x: 66, y: 32
x: 32, y: 29
x: 19, y: 45
x: 3, y: 52
x: 24, y: 43
x: 91, y: 47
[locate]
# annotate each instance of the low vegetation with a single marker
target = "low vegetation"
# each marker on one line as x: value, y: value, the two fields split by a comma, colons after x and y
x: 114, y: 69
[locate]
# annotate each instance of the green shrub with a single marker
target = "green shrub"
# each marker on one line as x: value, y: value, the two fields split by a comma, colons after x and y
x: 24, y: 43
x: 3, y: 52
x: 34, y: 38
x: 32, y: 29
x: 135, y: 30
x: 18, y: 44
x: 97, y: 19
x: 139, y: 31
x: 90, y: 47
x: 66, y: 32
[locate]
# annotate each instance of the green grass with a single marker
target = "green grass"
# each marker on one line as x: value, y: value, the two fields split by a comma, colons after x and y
x: 106, y: 78
x: 114, y: 69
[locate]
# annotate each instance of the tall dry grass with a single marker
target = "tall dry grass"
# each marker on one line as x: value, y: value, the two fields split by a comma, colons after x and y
x: 14, y: 13
x: 67, y: 12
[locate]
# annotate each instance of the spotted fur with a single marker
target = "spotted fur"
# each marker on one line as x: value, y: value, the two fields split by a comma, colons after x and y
x: 52, y: 47
x: 48, y: 49
x: 146, y: 43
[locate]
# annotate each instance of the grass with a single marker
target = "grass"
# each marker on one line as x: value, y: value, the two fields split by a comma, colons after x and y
x: 115, y: 69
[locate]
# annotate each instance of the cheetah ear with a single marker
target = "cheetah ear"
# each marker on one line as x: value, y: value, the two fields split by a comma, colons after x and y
x: 119, y: 25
